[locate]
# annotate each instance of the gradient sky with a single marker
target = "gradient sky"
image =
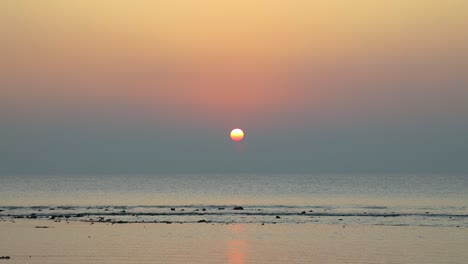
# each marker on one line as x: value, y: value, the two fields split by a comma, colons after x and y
x: 156, y: 86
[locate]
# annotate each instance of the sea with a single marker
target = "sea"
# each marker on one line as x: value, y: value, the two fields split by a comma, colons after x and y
x: 338, y: 199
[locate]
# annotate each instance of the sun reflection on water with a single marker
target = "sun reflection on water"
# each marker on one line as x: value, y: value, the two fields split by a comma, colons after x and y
x: 237, y: 247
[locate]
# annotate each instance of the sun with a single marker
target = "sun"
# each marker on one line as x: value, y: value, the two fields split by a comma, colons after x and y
x: 237, y: 135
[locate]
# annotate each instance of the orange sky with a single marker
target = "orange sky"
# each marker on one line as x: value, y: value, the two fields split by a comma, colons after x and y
x: 236, y: 58
x: 119, y: 85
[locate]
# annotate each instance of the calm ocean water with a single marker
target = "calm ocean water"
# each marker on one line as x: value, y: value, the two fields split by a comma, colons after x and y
x: 345, y: 199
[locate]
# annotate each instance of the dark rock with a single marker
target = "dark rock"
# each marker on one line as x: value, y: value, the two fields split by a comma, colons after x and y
x: 42, y: 227
x: 172, y: 209
x: 303, y: 212
x: 79, y: 215
x: 51, y: 209
x: 203, y: 209
x: 311, y: 211
x: 182, y: 209
x: 5, y: 257
x: 123, y: 211
x: 277, y: 217
x: 52, y: 217
x: 221, y: 208
x: 238, y: 208
x: 202, y: 221
x: 341, y: 219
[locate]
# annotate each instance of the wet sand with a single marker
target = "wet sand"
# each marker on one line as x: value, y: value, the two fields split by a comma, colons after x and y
x: 78, y: 242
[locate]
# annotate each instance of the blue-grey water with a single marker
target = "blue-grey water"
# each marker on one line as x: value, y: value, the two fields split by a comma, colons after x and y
x: 345, y: 199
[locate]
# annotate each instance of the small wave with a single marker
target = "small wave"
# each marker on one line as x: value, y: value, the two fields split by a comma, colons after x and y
x: 374, y: 207
x: 362, y: 215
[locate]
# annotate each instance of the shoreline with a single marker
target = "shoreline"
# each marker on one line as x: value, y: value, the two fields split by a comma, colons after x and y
x: 259, y: 214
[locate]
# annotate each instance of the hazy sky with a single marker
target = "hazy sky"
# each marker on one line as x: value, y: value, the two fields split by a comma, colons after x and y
x: 156, y: 86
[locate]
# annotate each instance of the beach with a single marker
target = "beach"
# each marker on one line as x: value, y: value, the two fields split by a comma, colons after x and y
x: 45, y: 241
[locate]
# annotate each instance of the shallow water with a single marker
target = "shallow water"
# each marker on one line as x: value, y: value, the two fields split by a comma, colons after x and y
x: 76, y: 242
x: 352, y: 199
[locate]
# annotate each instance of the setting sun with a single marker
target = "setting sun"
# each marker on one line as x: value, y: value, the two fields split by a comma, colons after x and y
x: 237, y: 135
